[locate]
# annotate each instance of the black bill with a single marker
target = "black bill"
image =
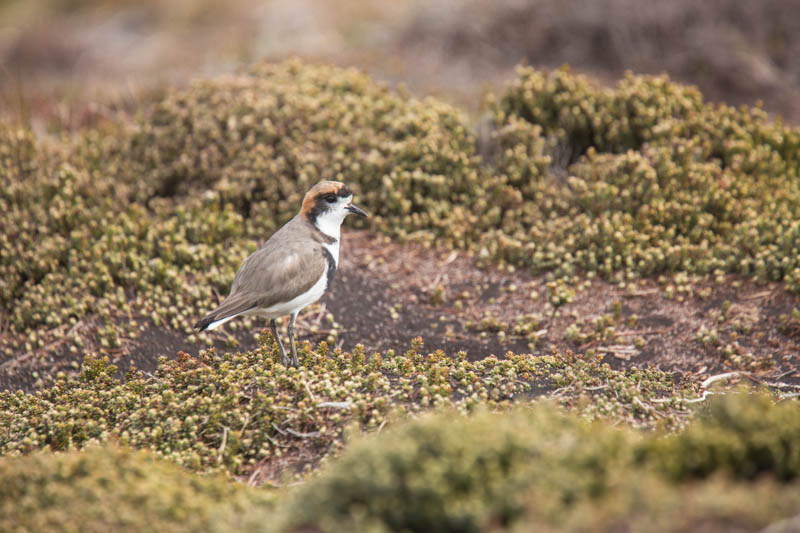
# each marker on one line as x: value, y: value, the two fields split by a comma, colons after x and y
x: 357, y: 210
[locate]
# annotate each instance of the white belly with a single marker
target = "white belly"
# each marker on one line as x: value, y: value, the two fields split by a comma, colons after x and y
x: 296, y: 304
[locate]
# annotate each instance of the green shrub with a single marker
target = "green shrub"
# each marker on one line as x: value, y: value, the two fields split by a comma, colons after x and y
x: 452, y: 473
x: 149, y: 217
x: 116, y: 489
x: 536, y: 467
x: 72, y: 245
x: 261, y: 140
x: 233, y: 411
x: 532, y: 467
x: 582, y: 115
x: 657, y: 181
x: 643, y: 501
x: 743, y: 435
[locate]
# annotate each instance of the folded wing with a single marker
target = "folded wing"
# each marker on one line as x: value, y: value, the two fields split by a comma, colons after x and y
x: 273, y: 274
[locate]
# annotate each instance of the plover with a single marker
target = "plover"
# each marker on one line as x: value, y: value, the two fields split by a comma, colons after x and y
x: 294, y: 267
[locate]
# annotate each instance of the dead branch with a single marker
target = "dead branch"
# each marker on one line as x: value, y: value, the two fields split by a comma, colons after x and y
x: 224, y: 443
x: 719, y: 377
x: 302, y: 435
x: 705, y: 395
x: 308, y: 390
x: 336, y: 405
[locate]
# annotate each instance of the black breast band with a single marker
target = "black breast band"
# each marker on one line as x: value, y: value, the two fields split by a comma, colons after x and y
x: 331, y: 266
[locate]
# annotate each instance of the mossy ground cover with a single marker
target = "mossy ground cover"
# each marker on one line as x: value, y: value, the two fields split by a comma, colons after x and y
x: 535, y: 468
x: 110, y: 488
x: 136, y: 226
x: 246, y: 414
x: 734, y: 467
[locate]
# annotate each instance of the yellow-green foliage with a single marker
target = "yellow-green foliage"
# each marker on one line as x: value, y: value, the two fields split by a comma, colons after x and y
x: 657, y: 180
x: 232, y: 411
x: 262, y: 140
x: 148, y: 218
x: 117, y: 489
x: 644, y: 501
x: 72, y: 244
x: 451, y: 473
x: 534, y: 466
x: 743, y: 437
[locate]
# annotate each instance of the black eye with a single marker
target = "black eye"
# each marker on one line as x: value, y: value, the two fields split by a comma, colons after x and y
x: 331, y: 198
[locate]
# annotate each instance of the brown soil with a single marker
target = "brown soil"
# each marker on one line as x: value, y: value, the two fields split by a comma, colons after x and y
x: 385, y: 294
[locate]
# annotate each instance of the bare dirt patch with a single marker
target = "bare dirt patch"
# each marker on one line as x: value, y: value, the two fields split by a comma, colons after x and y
x: 386, y: 294
x: 701, y: 325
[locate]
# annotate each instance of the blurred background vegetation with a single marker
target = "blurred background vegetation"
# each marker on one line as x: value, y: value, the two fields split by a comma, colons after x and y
x: 735, y: 51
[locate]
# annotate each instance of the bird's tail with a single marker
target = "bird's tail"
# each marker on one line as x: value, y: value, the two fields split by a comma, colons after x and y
x: 230, y: 309
x: 210, y: 322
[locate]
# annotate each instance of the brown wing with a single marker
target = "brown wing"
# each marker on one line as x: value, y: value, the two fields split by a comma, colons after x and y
x: 276, y: 273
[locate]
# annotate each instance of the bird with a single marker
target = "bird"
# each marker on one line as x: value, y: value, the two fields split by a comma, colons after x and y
x: 294, y: 268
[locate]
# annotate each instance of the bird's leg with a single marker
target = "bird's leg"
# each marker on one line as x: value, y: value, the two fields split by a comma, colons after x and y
x: 274, y: 326
x: 295, y: 362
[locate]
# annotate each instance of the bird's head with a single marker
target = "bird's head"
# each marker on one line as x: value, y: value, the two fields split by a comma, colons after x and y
x: 327, y: 204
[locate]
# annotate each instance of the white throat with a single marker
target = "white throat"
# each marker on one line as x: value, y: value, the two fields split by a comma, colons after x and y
x: 330, y: 223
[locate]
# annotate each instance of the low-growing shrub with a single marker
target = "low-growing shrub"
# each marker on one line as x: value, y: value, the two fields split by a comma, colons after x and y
x: 473, y: 464
x: 233, y: 412
x: 533, y: 467
x: 536, y: 467
x: 116, y: 489
x: 150, y: 217
x: 261, y: 140
x: 651, y: 180
x: 73, y: 246
x: 452, y: 473
x: 643, y: 501
x: 744, y: 436
x: 239, y: 411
